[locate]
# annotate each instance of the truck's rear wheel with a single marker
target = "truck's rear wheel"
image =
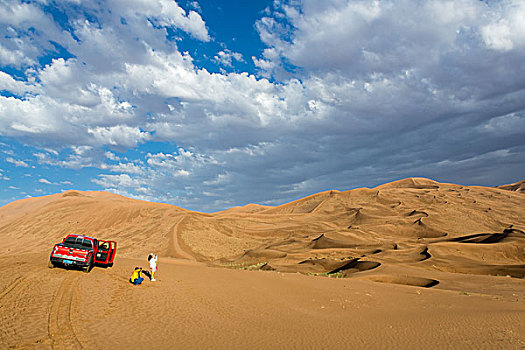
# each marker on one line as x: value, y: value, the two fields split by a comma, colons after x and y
x: 50, y: 264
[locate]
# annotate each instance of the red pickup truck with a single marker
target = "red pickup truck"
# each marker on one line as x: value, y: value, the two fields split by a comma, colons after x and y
x: 83, y: 251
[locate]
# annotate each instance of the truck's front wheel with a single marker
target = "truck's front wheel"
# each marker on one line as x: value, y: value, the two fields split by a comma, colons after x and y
x: 50, y: 264
x: 89, y: 266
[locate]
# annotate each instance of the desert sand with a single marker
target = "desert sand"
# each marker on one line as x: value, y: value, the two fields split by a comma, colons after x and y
x: 409, y: 264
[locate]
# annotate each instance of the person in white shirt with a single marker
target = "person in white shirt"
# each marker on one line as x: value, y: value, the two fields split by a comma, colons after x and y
x: 152, y: 258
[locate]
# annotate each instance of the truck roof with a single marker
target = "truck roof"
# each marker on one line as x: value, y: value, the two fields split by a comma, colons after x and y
x: 79, y: 235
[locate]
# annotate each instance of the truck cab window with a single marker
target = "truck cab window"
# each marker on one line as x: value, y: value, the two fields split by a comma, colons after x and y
x: 87, y: 244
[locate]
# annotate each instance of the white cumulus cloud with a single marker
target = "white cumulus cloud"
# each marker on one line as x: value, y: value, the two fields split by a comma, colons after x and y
x: 347, y: 93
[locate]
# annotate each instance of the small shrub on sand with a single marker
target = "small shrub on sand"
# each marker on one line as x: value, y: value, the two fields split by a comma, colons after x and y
x: 246, y: 267
x: 327, y: 274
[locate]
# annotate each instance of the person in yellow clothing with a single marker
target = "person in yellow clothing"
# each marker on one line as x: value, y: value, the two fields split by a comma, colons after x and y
x: 135, y: 276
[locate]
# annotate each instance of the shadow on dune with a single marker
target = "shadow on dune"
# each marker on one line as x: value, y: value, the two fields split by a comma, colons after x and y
x: 357, y: 266
x: 488, y: 238
x: 332, y: 266
x: 323, y: 242
x: 405, y: 280
x: 426, y: 254
x: 417, y: 212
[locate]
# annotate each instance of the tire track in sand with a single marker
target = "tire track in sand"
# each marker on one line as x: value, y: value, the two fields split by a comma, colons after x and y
x: 60, y: 328
x: 24, y: 304
x: 10, y: 287
x: 8, y: 305
x: 175, y: 246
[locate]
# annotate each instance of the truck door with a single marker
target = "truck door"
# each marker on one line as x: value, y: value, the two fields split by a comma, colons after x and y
x: 106, y: 252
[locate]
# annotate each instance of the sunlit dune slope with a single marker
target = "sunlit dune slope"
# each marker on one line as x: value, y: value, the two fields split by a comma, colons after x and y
x: 35, y: 224
x: 403, y: 228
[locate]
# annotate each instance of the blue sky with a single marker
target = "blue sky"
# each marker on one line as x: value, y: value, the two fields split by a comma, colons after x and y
x: 213, y: 104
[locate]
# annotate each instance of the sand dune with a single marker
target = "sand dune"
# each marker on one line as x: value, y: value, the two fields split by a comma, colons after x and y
x: 393, y: 223
x: 416, y: 242
x: 35, y: 224
x: 517, y: 187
